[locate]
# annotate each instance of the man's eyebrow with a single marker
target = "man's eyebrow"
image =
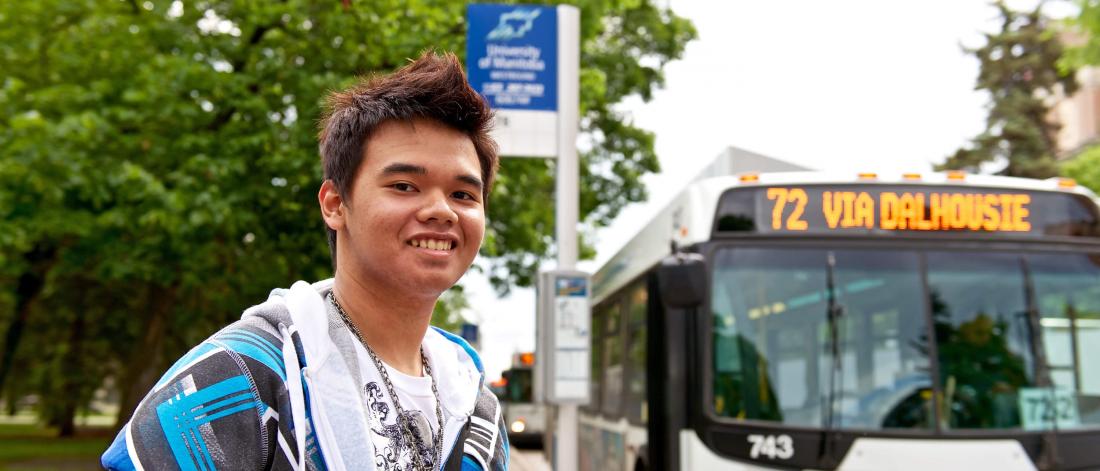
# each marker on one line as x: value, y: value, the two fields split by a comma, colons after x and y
x: 470, y: 180
x: 400, y: 168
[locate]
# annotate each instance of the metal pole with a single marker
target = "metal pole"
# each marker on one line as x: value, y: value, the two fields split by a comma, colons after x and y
x: 567, y: 206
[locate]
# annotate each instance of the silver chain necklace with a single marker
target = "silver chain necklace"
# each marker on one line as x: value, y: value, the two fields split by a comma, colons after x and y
x: 402, y: 419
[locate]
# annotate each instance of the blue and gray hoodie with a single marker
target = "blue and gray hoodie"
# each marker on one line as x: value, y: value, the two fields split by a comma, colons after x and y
x: 279, y: 389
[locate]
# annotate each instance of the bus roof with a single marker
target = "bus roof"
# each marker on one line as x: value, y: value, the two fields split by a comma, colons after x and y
x: 689, y: 218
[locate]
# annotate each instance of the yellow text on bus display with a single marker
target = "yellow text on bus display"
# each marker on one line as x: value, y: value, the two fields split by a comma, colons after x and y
x: 904, y: 211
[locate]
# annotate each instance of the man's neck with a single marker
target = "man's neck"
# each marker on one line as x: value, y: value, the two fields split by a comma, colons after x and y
x: 392, y: 324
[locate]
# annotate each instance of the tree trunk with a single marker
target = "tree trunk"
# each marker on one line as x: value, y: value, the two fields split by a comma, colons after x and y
x: 71, y: 391
x: 144, y: 363
x: 27, y: 291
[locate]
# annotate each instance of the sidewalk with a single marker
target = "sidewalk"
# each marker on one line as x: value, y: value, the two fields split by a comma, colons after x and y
x: 527, y: 460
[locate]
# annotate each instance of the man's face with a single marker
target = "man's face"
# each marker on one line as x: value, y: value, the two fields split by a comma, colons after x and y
x: 414, y: 215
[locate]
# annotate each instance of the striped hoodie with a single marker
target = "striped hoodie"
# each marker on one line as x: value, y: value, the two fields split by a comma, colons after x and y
x: 281, y: 389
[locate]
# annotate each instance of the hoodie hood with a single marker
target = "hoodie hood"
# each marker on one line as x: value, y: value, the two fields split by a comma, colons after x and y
x: 331, y: 380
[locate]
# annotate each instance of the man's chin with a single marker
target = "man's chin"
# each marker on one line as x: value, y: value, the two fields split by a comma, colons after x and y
x: 432, y: 284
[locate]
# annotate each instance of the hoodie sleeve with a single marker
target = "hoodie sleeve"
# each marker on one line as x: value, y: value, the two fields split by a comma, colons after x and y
x: 224, y: 405
x: 500, y: 458
x: 485, y: 444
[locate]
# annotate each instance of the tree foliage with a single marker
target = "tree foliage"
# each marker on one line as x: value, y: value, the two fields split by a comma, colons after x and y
x: 449, y: 308
x: 159, y: 165
x: 624, y: 47
x: 1086, y: 26
x: 1085, y: 168
x: 1019, y: 69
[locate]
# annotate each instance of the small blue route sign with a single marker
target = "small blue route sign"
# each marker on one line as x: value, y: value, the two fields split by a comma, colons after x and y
x: 512, y: 55
x: 469, y: 332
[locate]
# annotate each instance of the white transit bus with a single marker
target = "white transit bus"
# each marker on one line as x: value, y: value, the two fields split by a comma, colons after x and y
x: 525, y: 418
x: 863, y: 322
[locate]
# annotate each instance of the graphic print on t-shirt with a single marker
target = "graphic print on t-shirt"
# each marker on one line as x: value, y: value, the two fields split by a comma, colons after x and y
x: 392, y: 450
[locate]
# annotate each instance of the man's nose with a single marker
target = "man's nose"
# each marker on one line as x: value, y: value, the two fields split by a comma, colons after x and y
x: 437, y: 207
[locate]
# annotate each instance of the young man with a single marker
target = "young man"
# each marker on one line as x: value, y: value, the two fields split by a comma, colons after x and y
x: 346, y: 373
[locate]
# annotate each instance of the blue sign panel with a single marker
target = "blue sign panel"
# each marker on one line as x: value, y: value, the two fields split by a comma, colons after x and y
x: 512, y: 55
x: 469, y: 333
x: 576, y: 286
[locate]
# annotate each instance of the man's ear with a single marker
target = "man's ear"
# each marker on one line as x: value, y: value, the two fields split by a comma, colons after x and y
x: 332, y: 205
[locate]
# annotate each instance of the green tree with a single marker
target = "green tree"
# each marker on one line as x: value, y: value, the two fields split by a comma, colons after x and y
x: 624, y: 48
x: 1087, y: 25
x: 1085, y: 168
x: 159, y: 166
x: 448, y: 311
x: 1019, y: 67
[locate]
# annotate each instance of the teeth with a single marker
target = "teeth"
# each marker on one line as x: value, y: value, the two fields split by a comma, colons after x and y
x: 432, y: 244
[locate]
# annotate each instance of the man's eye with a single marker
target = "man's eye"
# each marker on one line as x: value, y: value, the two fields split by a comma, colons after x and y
x: 403, y: 187
x: 462, y: 195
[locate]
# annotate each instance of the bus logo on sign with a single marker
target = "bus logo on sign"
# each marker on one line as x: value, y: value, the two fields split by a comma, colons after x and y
x: 514, y: 24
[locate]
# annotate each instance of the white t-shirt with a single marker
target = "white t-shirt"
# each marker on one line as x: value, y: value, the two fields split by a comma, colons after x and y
x: 392, y: 450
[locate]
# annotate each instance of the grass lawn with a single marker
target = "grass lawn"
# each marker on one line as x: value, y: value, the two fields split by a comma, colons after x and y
x: 30, y: 446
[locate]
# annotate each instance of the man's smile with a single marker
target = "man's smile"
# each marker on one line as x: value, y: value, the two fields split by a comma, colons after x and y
x: 433, y: 244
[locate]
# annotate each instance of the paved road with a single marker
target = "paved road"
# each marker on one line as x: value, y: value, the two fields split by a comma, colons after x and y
x: 527, y: 460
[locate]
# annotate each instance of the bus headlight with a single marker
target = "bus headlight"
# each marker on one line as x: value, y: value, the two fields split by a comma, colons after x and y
x: 518, y: 426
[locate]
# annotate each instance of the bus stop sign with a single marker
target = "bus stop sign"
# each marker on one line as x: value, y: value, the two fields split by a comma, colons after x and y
x: 564, y: 320
x: 512, y: 57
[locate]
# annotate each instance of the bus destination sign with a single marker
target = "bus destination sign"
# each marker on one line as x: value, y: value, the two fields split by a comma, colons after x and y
x: 884, y: 209
x: 902, y: 210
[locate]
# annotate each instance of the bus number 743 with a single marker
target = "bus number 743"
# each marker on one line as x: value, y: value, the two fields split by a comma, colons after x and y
x: 772, y: 446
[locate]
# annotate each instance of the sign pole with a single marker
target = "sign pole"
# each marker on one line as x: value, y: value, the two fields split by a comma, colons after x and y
x: 567, y: 206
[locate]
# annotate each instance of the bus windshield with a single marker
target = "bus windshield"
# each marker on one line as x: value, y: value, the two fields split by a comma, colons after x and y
x: 863, y: 339
x: 519, y: 386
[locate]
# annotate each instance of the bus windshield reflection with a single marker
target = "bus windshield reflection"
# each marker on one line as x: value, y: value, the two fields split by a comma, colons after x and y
x: 840, y: 339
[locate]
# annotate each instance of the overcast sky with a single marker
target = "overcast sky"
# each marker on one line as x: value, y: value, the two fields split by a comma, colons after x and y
x: 849, y: 85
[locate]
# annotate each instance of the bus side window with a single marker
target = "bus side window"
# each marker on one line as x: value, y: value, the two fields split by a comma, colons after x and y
x: 595, y: 370
x: 612, y: 384
x: 636, y: 405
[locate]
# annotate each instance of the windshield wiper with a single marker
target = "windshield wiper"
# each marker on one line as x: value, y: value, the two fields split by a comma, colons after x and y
x: 833, y: 313
x: 1049, y: 457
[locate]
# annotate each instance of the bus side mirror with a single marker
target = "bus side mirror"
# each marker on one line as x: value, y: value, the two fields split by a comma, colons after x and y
x: 682, y: 280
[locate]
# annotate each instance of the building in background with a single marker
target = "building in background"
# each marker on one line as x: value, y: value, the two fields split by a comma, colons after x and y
x: 1078, y: 114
